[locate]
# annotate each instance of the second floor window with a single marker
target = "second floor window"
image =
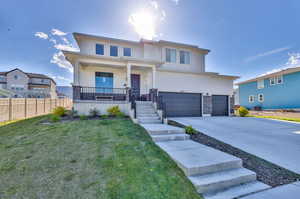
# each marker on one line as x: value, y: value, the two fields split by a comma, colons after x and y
x: 99, y: 49
x: 170, y: 55
x: 127, y: 52
x: 272, y: 81
x: 114, y: 51
x: 184, y: 57
x: 260, y: 84
x: 279, y: 79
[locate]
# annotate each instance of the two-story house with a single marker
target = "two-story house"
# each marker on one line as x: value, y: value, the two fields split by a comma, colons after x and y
x: 30, y: 85
x: 110, y: 71
x: 279, y: 90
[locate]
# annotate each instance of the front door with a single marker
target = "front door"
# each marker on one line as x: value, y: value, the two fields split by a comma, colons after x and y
x: 135, y: 85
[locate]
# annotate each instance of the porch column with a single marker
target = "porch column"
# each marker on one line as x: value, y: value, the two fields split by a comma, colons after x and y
x: 129, y: 75
x: 153, y: 77
x: 76, y: 73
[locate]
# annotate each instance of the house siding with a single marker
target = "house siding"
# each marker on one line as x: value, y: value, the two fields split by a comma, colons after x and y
x: 278, y: 96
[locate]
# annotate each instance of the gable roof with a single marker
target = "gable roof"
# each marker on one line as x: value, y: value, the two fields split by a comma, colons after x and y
x: 30, y: 75
x: 268, y: 75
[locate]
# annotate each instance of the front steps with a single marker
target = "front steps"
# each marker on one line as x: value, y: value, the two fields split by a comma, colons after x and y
x: 146, y: 113
x: 216, y: 175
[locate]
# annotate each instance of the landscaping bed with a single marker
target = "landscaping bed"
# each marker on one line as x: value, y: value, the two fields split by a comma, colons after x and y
x: 266, y: 171
x: 91, y: 158
x: 286, y: 115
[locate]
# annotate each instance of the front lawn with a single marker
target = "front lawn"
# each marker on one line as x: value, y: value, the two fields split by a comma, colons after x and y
x: 105, y: 159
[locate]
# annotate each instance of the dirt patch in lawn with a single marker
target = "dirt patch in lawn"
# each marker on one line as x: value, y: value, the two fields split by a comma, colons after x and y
x: 266, y: 171
x: 286, y: 114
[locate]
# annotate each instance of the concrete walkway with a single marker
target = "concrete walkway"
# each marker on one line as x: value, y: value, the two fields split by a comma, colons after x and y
x: 275, y: 141
x: 290, y: 191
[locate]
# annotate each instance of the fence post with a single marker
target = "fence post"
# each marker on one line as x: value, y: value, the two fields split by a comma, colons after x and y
x: 36, y: 106
x: 44, y: 105
x: 50, y: 105
x: 25, y: 107
x: 10, y: 109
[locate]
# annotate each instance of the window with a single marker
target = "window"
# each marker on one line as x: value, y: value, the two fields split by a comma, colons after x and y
x: 16, y: 77
x: 260, y: 97
x: 272, y: 81
x: 114, y: 51
x: 184, y: 57
x: 279, y: 79
x: 99, y: 49
x: 104, y: 82
x: 127, y: 52
x: 170, y: 55
x: 260, y: 84
x: 251, y: 98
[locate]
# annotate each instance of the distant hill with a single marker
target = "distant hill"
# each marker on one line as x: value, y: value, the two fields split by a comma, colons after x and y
x: 66, y: 90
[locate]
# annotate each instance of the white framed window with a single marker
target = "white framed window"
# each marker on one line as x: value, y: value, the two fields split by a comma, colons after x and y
x: 127, y: 52
x: 170, y: 55
x: 272, y: 81
x: 185, y: 57
x: 114, y: 51
x: 279, y: 79
x: 260, y: 97
x: 99, y: 49
x: 261, y: 84
x: 251, y: 98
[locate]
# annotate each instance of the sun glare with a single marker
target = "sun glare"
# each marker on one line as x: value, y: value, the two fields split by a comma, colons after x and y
x: 144, y: 24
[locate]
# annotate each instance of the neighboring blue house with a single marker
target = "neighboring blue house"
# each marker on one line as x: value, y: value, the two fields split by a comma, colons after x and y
x: 279, y: 90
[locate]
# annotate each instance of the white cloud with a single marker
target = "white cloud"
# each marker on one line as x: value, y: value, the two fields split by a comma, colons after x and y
x: 41, y: 35
x: 65, y: 47
x: 59, y: 59
x: 264, y: 54
x: 58, y: 77
x: 175, y: 1
x: 58, y: 32
x: 154, y: 4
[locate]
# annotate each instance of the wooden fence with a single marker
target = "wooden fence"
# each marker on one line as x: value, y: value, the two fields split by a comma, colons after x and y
x: 21, y: 108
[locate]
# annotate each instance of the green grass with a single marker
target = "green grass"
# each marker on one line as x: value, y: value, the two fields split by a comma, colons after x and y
x: 108, y: 159
x: 277, y: 118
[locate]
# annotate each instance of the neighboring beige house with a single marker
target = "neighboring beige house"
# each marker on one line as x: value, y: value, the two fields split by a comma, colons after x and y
x: 31, y: 85
x: 111, y: 71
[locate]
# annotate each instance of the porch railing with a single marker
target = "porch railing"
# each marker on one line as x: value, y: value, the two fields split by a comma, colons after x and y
x: 99, y: 93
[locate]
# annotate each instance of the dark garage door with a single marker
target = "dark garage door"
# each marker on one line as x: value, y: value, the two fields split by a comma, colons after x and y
x: 182, y: 104
x: 219, y: 105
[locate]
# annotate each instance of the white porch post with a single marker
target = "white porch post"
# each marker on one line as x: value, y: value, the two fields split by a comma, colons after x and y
x: 153, y: 77
x: 77, y: 73
x: 129, y: 75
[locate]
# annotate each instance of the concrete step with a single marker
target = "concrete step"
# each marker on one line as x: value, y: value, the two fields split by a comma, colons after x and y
x: 138, y: 112
x: 149, y: 121
x: 143, y: 102
x: 196, y: 159
x: 222, y: 180
x: 162, y: 129
x: 238, y: 191
x: 146, y: 114
x: 148, y: 118
x: 170, y: 137
x: 145, y: 109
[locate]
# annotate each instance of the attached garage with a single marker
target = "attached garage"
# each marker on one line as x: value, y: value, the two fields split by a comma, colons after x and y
x: 182, y: 104
x: 219, y: 105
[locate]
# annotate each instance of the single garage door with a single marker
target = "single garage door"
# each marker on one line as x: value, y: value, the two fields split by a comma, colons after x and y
x: 219, y: 105
x: 182, y: 104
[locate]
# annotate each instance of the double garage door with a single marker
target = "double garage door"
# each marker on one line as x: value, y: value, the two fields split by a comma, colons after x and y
x: 190, y: 104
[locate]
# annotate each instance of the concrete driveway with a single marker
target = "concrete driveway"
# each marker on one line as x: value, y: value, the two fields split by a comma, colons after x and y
x: 275, y: 141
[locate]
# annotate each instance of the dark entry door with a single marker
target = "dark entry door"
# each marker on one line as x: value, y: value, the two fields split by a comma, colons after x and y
x: 219, y: 105
x: 135, y: 85
x: 182, y: 104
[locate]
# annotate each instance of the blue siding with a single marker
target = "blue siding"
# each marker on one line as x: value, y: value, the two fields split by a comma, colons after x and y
x: 278, y: 96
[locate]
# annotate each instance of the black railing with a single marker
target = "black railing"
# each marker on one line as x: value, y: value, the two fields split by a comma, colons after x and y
x: 161, y: 105
x: 99, y: 93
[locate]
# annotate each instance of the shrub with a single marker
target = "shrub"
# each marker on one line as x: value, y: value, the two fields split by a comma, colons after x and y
x: 55, y: 118
x: 114, y: 110
x: 72, y: 113
x: 104, y: 116
x: 190, y: 130
x: 83, y: 117
x: 94, y: 112
x: 120, y: 115
x: 242, y: 111
x: 59, y: 111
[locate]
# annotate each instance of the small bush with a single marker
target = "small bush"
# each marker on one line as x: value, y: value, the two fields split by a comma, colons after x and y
x: 55, y: 118
x: 114, y: 110
x: 59, y: 111
x: 94, y: 112
x: 243, y: 112
x: 83, y: 117
x: 72, y: 113
x: 104, y: 116
x: 190, y: 130
x: 120, y: 115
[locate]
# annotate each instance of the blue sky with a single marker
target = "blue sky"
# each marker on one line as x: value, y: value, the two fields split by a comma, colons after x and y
x: 246, y: 38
